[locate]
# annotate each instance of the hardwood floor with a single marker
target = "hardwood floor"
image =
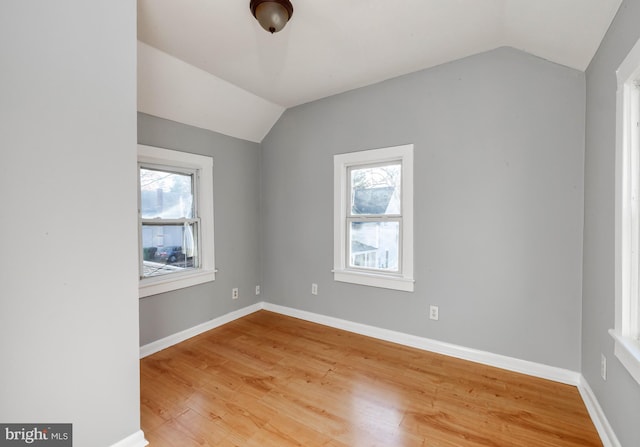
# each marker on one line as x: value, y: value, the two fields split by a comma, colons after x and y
x: 269, y: 380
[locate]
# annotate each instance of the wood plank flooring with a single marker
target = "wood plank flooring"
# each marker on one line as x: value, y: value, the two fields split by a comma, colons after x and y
x: 269, y: 380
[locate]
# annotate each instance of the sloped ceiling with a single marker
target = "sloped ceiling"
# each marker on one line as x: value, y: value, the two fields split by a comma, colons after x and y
x: 331, y: 46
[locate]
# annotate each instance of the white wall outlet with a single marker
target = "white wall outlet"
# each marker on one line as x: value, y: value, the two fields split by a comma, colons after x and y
x: 603, y: 367
x: 314, y: 289
x: 257, y: 290
x: 235, y: 293
x: 433, y: 312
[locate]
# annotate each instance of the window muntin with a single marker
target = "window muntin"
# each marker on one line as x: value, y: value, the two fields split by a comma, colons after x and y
x: 373, y: 217
x: 175, y: 198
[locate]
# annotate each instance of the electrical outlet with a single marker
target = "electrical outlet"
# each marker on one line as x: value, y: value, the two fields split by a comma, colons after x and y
x: 257, y: 290
x: 433, y: 312
x: 235, y: 293
x: 314, y: 289
x: 603, y: 367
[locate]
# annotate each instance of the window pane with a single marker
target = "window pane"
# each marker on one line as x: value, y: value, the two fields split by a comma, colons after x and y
x: 374, y: 245
x: 168, y: 248
x: 165, y: 195
x: 376, y: 190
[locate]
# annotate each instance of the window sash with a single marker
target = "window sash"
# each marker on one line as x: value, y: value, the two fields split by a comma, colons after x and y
x: 626, y: 331
x: 351, y: 192
x: 630, y: 306
x: 348, y: 252
x: 195, y: 181
x: 633, y: 129
x: 169, y: 221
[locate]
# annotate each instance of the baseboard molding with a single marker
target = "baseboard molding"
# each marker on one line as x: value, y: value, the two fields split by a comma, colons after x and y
x: 486, y: 358
x: 163, y: 343
x: 135, y: 440
x: 607, y: 435
x: 605, y: 431
x: 534, y: 369
x: 474, y: 355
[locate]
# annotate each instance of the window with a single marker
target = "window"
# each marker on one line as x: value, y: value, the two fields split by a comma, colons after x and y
x: 373, y: 218
x: 169, y: 220
x: 175, y: 215
x: 627, y: 305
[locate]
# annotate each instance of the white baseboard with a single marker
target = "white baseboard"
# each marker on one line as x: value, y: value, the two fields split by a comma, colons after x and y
x: 163, y: 343
x: 135, y: 440
x: 605, y: 431
x: 561, y: 375
x: 607, y: 435
x: 486, y: 358
x: 474, y: 355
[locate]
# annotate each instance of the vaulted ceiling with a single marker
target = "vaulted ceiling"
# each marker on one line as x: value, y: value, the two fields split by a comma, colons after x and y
x: 331, y: 46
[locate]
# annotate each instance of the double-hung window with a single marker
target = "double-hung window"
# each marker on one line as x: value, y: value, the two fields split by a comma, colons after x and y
x: 627, y: 301
x: 175, y: 219
x: 373, y: 217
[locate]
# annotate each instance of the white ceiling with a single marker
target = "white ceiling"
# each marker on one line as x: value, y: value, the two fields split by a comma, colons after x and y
x: 331, y: 46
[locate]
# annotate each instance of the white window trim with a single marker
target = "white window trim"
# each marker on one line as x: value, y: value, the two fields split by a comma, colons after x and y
x: 341, y: 272
x: 204, y: 167
x: 627, y: 346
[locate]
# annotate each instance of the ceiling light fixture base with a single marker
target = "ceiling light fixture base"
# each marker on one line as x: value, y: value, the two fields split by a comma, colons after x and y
x: 272, y: 15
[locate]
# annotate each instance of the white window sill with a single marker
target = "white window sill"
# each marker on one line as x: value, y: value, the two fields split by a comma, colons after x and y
x: 175, y: 281
x: 627, y: 351
x: 374, y: 280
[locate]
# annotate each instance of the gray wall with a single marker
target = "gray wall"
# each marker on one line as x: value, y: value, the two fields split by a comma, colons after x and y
x: 236, y: 179
x: 68, y: 306
x: 620, y: 394
x: 499, y: 145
